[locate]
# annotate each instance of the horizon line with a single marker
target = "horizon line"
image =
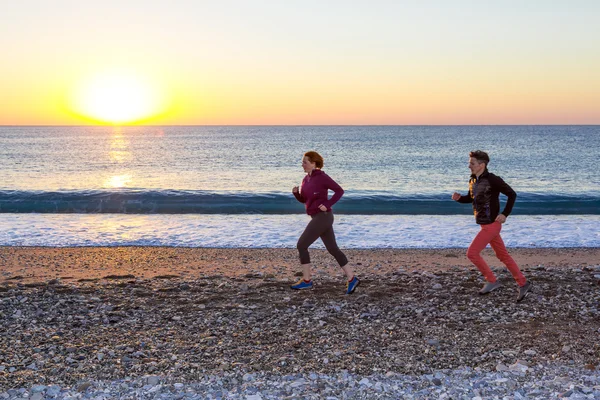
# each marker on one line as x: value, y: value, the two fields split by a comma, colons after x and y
x: 242, y: 125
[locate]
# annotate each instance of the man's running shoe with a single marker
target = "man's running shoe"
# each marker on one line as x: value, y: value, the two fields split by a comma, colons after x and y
x: 351, y: 285
x: 490, y: 287
x: 524, y: 291
x: 302, y: 284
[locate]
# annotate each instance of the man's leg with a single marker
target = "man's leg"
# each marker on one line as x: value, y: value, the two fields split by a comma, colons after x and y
x: 485, y: 236
x: 500, y: 249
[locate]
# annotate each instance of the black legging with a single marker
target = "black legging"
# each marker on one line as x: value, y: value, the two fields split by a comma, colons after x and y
x: 321, y: 225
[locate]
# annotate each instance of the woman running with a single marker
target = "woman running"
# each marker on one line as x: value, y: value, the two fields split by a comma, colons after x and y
x: 314, y: 194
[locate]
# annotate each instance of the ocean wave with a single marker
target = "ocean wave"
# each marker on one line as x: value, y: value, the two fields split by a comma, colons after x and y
x: 131, y: 201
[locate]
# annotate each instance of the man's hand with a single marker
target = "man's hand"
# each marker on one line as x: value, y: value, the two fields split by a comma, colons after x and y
x: 322, y: 208
x: 295, y: 189
x: 501, y: 218
x: 456, y: 196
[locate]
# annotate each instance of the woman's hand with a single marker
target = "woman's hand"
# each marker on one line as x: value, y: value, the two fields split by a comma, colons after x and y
x: 455, y: 196
x: 322, y: 208
x: 295, y: 189
x: 501, y: 218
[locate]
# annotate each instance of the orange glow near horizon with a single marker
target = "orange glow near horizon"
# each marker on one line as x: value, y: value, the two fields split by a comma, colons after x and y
x: 396, y: 64
x: 118, y: 98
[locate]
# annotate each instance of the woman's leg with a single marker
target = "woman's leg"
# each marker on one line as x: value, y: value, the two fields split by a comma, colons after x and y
x: 328, y: 238
x: 311, y: 233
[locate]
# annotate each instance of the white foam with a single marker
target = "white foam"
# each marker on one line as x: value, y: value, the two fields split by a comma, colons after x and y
x: 260, y: 231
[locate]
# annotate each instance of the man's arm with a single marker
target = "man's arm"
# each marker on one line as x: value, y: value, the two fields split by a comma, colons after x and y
x: 506, y: 190
x: 462, y: 199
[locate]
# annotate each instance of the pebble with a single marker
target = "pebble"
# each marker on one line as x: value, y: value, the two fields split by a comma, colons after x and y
x: 38, y: 388
x: 83, y: 386
x: 518, y: 368
x: 152, y: 380
x: 53, y: 391
x: 501, y: 367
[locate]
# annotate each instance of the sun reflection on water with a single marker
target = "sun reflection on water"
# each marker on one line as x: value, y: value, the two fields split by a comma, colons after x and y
x: 119, y: 147
x: 119, y: 153
x: 118, y: 181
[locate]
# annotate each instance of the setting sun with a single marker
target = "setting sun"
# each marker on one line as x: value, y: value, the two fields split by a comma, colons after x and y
x: 116, y: 98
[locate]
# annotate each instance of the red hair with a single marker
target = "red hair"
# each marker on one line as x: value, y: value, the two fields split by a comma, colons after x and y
x: 315, y: 158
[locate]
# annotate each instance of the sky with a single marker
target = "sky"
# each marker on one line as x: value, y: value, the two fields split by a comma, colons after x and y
x: 299, y: 62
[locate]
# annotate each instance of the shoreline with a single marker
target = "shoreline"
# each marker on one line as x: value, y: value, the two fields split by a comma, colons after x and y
x: 29, y: 264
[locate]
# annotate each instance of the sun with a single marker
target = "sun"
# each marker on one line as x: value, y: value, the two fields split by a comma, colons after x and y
x: 116, y: 98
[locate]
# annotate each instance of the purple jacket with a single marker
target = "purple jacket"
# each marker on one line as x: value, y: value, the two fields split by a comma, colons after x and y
x: 314, y: 191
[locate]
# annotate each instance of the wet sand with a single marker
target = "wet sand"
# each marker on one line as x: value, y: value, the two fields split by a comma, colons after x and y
x: 33, y: 264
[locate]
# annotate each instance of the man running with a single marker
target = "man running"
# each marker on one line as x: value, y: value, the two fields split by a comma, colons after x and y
x: 484, y: 193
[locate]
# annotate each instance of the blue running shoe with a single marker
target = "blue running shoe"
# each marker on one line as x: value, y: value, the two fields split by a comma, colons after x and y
x: 302, y: 284
x: 351, y: 285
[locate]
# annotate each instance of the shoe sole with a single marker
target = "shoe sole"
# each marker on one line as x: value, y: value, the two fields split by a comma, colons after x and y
x: 300, y: 288
x: 354, y: 288
x: 489, y: 291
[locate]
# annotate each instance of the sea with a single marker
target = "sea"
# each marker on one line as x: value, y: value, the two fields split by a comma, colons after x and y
x: 230, y: 186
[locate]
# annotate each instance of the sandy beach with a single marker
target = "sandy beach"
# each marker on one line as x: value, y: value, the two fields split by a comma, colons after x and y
x: 147, y: 315
x: 40, y: 264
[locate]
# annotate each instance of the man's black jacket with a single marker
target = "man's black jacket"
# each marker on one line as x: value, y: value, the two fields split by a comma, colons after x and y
x: 484, y: 193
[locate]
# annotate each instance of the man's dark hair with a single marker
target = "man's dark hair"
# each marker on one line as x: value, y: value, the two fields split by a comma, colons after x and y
x: 480, y: 156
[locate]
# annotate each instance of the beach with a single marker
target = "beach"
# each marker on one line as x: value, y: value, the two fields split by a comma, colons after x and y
x: 223, y: 323
x: 70, y: 265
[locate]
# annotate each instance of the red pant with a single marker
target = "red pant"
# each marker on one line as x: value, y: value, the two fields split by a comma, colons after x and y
x: 491, y: 234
